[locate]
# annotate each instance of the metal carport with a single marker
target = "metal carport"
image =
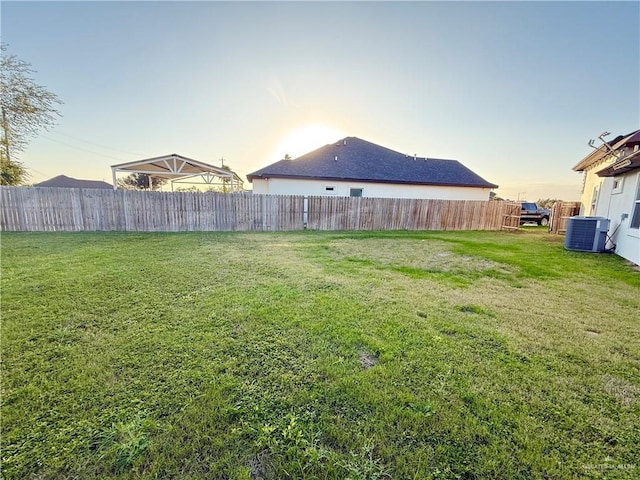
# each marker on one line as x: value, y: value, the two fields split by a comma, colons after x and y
x: 175, y: 167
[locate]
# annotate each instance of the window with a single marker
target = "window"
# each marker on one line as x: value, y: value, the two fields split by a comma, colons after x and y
x: 355, y: 192
x: 617, y: 185
x: 594, y: 200
x: 635, y: 216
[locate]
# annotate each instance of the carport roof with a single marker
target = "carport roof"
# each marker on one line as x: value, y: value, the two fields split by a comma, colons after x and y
x: 170, y: 166
x: 175, y: 167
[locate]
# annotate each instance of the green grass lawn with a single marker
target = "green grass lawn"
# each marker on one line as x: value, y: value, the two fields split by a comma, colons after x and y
x: 400, y: 355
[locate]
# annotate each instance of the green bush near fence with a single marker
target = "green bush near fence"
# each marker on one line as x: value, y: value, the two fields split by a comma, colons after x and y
x: 371, y: 355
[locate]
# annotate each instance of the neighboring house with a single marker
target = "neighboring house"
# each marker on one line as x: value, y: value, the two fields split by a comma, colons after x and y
x: 611, y: 189
x: 357, y: 168
x: 62, y: 181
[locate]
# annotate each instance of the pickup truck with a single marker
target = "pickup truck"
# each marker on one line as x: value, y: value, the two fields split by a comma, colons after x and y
x: 532, y: 213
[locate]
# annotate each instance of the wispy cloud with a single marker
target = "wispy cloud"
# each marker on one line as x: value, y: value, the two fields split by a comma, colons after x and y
x: 277, y: 90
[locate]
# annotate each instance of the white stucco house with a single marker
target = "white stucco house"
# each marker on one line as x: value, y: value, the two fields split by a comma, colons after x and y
x: 611, y: 189
x: 352, y: 167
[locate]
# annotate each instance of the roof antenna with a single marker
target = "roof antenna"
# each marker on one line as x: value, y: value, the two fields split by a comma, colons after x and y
x: 604, y: 144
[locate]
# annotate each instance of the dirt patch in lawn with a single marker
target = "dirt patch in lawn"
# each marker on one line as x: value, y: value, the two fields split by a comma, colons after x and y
x: 260, y: 465
x: 434, y: 255
x: 619, y: 388
x: 367, y: 360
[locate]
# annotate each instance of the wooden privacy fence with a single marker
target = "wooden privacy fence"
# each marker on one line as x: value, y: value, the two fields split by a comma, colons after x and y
x: 83, y: 209
x: 72, y: 209
x: 346, y: 213
x: 560, y: 214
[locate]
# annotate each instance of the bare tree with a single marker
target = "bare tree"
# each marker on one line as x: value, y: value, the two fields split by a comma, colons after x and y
x: 26, y: 108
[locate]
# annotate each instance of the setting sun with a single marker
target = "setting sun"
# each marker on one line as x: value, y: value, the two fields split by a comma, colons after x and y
x: 306, y: 139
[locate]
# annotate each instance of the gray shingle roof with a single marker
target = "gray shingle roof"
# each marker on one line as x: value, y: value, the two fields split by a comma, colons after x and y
x: 353, y: 159
x: 62, y: 181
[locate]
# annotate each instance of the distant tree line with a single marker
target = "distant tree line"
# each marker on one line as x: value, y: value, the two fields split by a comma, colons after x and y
x: 541, y: 202
x: 140, y: 181
x: 547, y: 202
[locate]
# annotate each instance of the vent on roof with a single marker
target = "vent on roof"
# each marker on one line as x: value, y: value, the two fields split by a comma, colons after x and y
x: 336, y: 158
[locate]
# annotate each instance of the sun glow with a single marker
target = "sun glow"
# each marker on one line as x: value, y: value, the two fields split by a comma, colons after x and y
x: 306, y: 139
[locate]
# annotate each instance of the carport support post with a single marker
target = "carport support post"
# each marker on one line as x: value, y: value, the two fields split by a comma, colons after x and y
x: 113, y: 174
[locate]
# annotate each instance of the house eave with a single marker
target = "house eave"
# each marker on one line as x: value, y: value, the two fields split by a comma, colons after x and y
x: 622, y: 166
x: 605, y: 150
x: 591, y: 159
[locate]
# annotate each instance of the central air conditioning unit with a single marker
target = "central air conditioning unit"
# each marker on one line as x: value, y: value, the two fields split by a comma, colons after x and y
x: 586, y: 234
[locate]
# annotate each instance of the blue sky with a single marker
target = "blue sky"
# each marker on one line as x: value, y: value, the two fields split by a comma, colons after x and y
x: 514, y: 90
